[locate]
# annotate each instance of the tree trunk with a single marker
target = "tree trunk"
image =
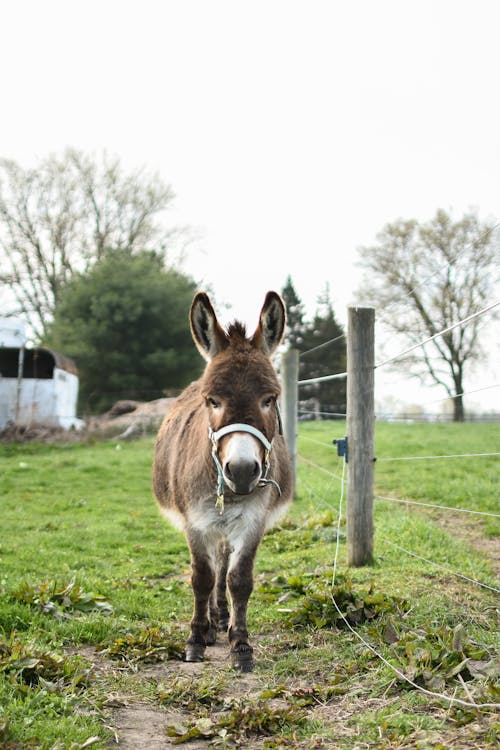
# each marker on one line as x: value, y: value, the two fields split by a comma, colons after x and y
x: 458, y: 401
x: 458, y: 409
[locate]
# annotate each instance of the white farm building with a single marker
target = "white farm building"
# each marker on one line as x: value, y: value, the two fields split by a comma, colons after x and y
x: 36, y: 385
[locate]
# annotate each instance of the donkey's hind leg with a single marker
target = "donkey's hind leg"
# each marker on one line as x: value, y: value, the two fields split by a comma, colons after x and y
x: 219, y: 613
x: 221, y: 586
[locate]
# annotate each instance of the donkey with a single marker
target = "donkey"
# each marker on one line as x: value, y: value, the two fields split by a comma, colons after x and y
x: 221, y: 470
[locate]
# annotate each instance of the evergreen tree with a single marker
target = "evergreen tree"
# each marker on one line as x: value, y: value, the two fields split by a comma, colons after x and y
x: 323, y: 352
x: 294, y: 315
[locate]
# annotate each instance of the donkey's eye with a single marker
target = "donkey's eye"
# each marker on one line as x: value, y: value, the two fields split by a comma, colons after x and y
x: 268, y: 402
x: 212, y: 402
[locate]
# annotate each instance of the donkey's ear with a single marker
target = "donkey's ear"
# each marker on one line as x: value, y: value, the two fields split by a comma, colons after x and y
x: 271, y: 328
x: 207, y: 333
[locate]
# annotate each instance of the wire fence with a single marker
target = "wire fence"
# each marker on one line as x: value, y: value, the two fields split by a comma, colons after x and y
x: 410, y: 504
x: 319, y: 498
x: 406, y: 502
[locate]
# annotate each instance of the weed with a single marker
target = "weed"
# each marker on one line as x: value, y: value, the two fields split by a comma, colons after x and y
x: 61, y: 599
x: 31, y: 666
x: 318, y: 609
x: 242, y: 720
x: 192, y: 692
x: 306, y: 696
x: 433, y: 658
x: 148, y: 646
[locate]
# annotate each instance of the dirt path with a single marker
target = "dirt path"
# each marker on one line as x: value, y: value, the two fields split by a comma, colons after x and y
x: 139, y: 725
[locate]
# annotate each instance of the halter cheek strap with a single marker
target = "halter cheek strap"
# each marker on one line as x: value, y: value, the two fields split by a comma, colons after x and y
x: 215, y: 436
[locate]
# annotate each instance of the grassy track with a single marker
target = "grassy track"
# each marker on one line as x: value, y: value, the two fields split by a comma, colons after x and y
x: 95, y: 600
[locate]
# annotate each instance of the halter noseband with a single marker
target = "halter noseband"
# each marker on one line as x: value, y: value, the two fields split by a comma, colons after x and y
x: 215, y: 436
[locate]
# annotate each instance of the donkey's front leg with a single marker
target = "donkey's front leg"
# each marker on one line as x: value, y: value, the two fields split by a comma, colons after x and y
x: 203, y: 580
x: 240, y: 584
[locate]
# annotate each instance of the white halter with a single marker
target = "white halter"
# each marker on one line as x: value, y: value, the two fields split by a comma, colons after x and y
x: 215, y: 436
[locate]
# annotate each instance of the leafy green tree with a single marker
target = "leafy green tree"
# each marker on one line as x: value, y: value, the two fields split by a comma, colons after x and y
x: 323, y: 352
x: 425, y: 278
x: 125, y: 322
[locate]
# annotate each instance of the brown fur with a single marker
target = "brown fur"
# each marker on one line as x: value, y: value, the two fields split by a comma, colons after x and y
x: 239, y: 385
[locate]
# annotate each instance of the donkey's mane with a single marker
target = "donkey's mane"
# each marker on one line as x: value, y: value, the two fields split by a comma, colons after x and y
x: 237, y: 331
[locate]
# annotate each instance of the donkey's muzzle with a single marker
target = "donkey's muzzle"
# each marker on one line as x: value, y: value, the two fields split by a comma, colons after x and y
x: 242, y: 462
x: 242, y: 475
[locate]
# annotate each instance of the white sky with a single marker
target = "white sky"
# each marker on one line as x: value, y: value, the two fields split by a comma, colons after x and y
x: 290, y: 131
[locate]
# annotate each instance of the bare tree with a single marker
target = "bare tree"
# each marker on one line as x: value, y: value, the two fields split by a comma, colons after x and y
x: 61, y: 216
x: 424, y: 278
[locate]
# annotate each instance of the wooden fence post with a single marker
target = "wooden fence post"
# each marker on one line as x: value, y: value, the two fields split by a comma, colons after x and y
x: 289, y: 399
x: 360, y: 434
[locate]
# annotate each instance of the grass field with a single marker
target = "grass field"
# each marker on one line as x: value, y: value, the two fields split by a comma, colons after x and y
x: 95, y: 602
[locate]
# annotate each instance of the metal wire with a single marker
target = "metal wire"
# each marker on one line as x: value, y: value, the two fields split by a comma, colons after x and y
x: 430, y: 458
x: 436, y: 335
x: 438, y: 507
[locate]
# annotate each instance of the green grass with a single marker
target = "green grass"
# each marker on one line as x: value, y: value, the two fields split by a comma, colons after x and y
x: 86, y: 560
x: 469, y: 482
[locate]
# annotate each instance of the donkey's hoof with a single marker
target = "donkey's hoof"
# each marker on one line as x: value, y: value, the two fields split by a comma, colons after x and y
x: 242, y: 658
x: 211, y: 636
x: 194, y: 652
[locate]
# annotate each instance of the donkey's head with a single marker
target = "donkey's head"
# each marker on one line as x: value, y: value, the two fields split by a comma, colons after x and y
x: 240, y: 389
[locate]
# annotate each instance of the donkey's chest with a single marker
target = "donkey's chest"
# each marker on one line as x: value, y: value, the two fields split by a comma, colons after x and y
x: 239, y: 518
